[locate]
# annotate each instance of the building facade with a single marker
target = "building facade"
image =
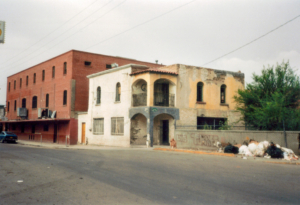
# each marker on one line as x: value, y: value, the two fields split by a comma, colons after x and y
x: 43, y: 101
x: 135, y: 104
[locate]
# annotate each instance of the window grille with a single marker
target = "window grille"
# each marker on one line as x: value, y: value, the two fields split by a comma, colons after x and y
x: 117, y: 125
x: 43, y: 75
x: 34, y: 78
x: 98, y: 126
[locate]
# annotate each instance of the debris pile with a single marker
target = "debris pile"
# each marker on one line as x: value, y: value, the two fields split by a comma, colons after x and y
x: 252, y: 148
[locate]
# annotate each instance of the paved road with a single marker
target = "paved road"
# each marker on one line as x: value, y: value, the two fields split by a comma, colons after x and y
x: 58, y: 176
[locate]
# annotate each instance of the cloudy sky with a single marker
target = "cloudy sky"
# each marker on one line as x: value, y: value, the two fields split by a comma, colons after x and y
x: 192, y: 32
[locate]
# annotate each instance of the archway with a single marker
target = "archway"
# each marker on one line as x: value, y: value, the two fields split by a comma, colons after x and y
x: 139, y: 93
x: 138, y: 130
x: 163, y: 129
x: 164, y: 93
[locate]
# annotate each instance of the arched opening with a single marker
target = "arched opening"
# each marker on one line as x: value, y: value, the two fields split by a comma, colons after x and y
x: 164, y: 93
x: 163, y: 129
x: 138, y: 130
x: 98, y: 95
x: 118, y: 92
x: 223, y: 94
x: 139, y: 93
x: 199, y: 92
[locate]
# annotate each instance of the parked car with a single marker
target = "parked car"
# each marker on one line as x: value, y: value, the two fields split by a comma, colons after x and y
x: 8, y: 137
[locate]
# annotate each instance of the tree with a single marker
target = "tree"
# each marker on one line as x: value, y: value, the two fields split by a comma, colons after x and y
x: 271, y: 102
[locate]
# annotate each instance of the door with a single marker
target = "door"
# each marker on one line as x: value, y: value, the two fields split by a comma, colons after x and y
x: 165, y: 132
x: 83, y: 133
x: 55, y: 134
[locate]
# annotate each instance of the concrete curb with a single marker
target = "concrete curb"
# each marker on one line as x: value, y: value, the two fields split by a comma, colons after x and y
x: 290, y: 163
x: 195, y: 152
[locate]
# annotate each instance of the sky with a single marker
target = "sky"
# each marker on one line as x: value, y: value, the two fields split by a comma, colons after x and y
x: 191, y: 32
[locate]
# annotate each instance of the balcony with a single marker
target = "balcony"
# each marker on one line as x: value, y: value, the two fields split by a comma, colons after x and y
x: 164, y: 99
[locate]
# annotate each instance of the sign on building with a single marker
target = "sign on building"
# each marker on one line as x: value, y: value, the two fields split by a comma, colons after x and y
x: 2, y: 31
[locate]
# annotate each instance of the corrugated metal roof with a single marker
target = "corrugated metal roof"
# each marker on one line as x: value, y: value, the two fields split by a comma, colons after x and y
x: 153, y: 70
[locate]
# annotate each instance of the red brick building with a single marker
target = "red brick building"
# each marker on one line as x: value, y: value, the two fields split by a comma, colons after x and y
x: 42, y: 102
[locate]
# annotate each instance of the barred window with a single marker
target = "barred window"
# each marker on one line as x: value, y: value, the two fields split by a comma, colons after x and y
x: 117, y: 125
x: 118, y: 92
x: 98, y: 126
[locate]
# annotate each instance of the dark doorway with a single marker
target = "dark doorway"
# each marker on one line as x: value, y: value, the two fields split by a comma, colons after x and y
x: 165, y: 132
x: 55, y: 133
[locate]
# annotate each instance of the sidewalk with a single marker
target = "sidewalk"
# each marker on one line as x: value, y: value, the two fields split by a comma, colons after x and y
x: 155, y: 148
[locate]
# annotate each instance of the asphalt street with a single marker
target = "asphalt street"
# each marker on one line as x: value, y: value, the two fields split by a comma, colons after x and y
x: 31, y: 175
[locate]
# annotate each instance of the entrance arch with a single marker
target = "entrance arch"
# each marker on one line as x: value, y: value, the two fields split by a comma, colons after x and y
x: 164, y: 128
x: 138, y: 130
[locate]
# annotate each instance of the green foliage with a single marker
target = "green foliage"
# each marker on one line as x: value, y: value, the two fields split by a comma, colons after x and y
x: 271, y: 102
x: 224, y: 126
x: 207, y: 127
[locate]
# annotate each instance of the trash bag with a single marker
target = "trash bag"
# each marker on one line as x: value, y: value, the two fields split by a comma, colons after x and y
x: 231, y: 149
x: 244, y: 150
x: 252, y: 147
x: 274, y: 151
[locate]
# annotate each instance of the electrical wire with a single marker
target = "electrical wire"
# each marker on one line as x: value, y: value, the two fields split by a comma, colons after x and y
x: 256, y: 39
x: 75, y: 32
x: 145, y: 22
x: 50, y: 33
x: 62, y: 34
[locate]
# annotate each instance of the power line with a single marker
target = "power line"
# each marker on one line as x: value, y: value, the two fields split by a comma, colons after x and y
x: 253, y: 40
x: 64, y: 33
x: 50, y: 32
x: 142, y: 23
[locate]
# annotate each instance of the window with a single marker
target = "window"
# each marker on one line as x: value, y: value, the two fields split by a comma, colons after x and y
x: 98, y: 95
x: 87, y: 63
x: 47, y: 100
x: 53, y: 72
x: 118, y: 92
x: 34, y: 77
x: 65, y: 98
x: 27, y: 80
x: 7, y: 106
x: 34, y: 102
x: 117, y: 125
x: 65, y: 68
x: 15, y: 83
x: 24, y: 103
x: 20, y: 82
x: 223, y: 94
x: 46, y: 128
x: 210, y: 123
x: 9, y: 86
x: 200, y: 92
x: 15, y: 106
x: 108, y: 66
x: 98, y: 126
x: 43, y: 75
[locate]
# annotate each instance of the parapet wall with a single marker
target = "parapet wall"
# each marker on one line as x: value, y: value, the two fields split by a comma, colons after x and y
x: 201, y: 139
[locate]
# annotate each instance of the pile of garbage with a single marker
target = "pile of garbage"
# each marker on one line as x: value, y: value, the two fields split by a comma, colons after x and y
x: 253, y: 148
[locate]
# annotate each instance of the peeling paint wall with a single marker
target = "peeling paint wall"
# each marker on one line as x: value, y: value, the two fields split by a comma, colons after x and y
x: 138, y: 131
x: 186, y: 101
